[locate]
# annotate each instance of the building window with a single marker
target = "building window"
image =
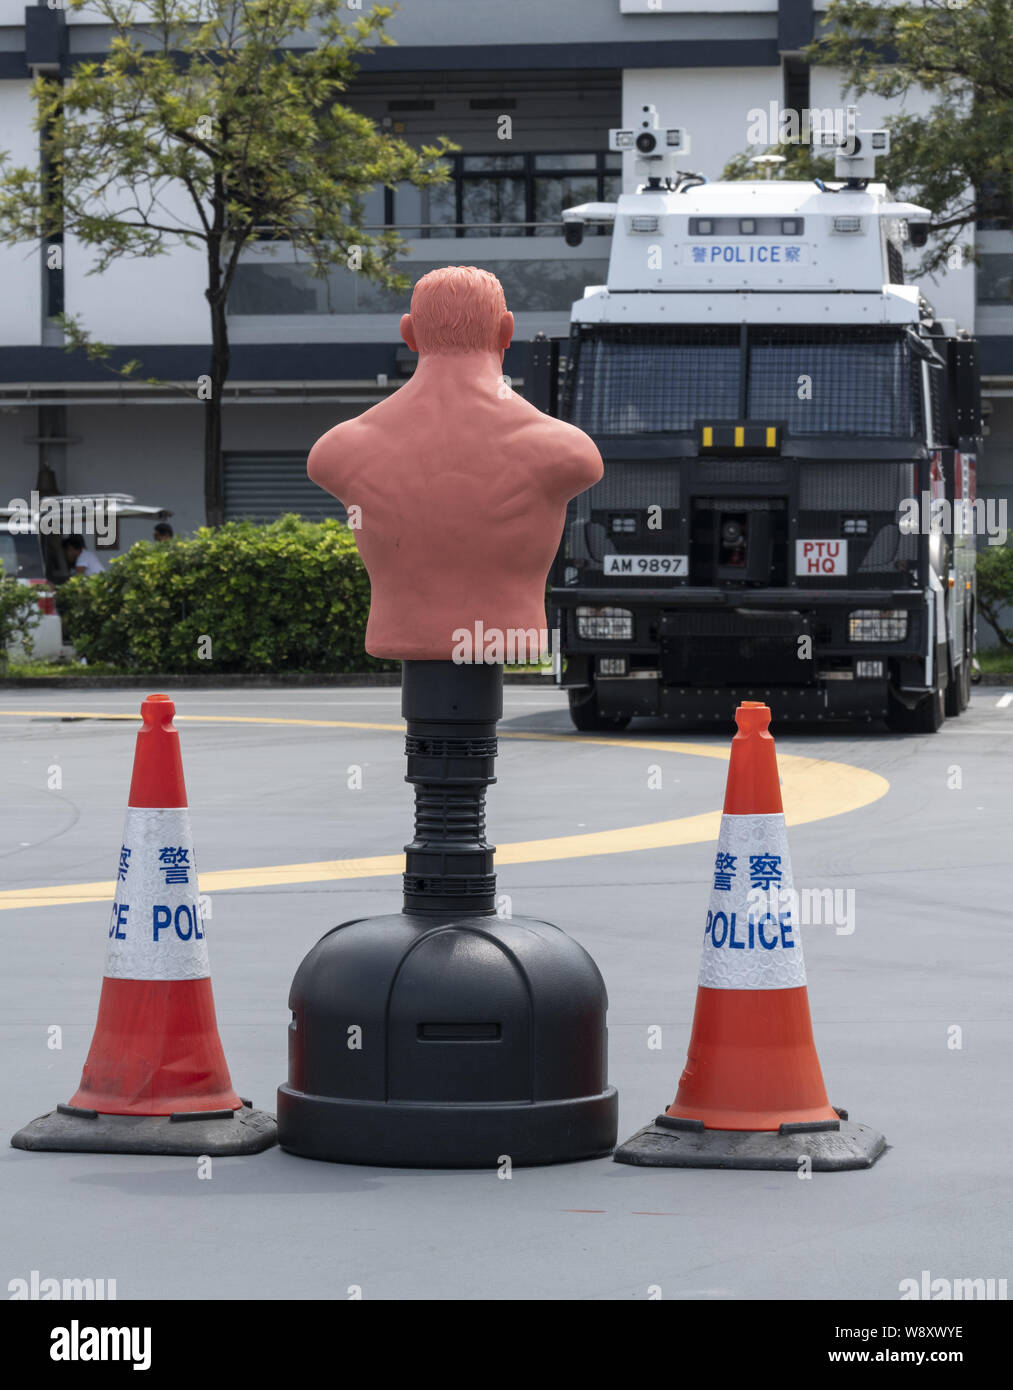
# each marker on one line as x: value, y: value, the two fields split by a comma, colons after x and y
x: 492, y: 190
x: 996, y: 208
x: 496, y: 195
x: 995, y: 279
x: 547, y: 284
x: 795, y: 73
x: 506, y: 194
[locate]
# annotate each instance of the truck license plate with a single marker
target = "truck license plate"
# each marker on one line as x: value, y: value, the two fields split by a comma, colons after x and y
x: 672, y: 565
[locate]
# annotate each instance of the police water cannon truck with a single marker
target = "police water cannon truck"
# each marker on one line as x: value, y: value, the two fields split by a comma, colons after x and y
x: 789, y: 435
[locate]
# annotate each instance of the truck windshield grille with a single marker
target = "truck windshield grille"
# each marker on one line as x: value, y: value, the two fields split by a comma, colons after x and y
x: 835, y: 382
x: 652, y: 381
x: 862, y: 382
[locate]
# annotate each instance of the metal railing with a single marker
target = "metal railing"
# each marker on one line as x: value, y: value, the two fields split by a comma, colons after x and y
x: 450, y: 227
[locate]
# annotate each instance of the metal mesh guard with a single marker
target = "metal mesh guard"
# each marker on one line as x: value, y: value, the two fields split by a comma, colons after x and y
x: 854, y: 380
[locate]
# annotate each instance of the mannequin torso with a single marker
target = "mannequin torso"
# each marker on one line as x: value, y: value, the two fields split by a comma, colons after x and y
x: 462, y: 489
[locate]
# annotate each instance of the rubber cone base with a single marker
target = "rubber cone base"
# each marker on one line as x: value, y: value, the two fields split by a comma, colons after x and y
x: 829, y: 1145
x: 216, y: 1133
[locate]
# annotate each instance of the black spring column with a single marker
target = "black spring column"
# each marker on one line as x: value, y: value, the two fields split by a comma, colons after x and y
x: 451, y: 713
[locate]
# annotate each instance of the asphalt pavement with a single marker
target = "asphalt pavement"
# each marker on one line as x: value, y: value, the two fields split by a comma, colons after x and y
x: 909, y: 987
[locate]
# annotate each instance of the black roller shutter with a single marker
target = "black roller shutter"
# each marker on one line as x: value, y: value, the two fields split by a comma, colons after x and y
x: 263, y: 487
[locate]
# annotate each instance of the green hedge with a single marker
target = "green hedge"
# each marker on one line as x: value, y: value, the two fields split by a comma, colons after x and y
x: 291, y: 596
x: 995, y: 589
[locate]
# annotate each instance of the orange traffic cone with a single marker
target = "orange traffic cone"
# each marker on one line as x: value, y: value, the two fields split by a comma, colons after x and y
x: 752, y: 1093
x: 155, y: 1079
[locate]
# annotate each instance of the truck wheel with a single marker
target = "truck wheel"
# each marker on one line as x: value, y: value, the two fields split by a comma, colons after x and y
x: 958, y: 692
x: 587, y: 717
x: 926, y: 718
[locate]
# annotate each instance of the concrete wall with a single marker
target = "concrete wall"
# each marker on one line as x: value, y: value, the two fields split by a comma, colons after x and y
x: 428, y: 23
x: 710, y: 103
x: 437, y: 22
x: 155, y: 299
x: 18, y: 460
x: 658, y: 8
x: 20, y: 266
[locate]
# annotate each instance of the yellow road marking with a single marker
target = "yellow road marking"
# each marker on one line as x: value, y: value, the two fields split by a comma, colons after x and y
x: 195, y: 718
x: 666, y: 746
x: 812, y: 789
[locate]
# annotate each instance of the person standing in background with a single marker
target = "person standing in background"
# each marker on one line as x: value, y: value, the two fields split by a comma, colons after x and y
x: 80, y: 560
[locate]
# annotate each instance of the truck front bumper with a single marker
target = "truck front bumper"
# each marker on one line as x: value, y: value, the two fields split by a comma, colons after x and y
x: 834, y: 699
x: 695, y: 653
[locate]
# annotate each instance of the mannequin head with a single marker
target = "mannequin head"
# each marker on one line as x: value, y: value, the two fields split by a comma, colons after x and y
x: 458, y: 309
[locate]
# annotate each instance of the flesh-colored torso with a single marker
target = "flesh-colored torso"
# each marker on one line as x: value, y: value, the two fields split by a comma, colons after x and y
x: 462, y: 487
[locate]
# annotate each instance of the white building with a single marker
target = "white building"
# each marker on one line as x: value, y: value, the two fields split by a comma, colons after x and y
x: 306, y: 354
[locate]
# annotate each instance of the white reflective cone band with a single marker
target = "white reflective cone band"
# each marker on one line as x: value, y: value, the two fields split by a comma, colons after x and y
x: 156, y: 930
x: 751, y: 937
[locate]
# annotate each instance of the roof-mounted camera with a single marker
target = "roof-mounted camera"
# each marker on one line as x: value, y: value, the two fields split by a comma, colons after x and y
x: 655, y: 150
x: 855, y: 152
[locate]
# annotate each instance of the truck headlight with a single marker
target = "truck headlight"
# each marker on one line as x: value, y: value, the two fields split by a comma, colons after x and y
x: 612, y: 666
x: 608, y: 624
x: 877, y: 625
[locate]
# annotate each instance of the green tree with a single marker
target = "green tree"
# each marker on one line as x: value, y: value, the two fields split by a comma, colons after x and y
x: 995, y: 589
x: 799, y: 162
x: 213, y: 100
x: 957, y: 160
x: 19, y: 615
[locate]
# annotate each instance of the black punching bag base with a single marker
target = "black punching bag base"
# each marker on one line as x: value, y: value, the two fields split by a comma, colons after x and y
x: 422, y: 1041
x: 392, y: 1134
